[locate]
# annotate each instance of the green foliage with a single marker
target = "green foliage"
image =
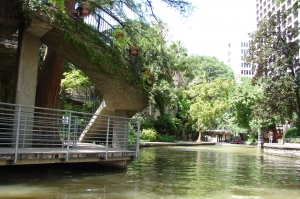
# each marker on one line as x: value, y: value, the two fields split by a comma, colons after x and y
x: 59, y: 3
x: 293, y: 132
x: 76, y: 80
x: 252, y: 137
x: 147, y: 124
x: 86, y: 39
x: 209, y: 101
x: 206, y: 68
x: 120, y: 37
x: 167, y: 125
x: 148, y: 135
x: 274, y: 53
x: 165, y: 138
x: 241, y: 103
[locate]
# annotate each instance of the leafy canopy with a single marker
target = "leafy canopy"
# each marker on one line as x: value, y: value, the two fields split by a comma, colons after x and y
x: 209, y: 100
x: 274, y: 53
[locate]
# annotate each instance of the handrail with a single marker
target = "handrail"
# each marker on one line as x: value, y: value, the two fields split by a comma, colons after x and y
x: 27, y: 127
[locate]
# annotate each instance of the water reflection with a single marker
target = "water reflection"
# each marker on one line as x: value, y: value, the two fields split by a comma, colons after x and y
x: 231, y: 171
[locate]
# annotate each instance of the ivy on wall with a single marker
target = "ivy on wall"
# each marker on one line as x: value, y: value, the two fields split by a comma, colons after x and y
x: 93, y: 47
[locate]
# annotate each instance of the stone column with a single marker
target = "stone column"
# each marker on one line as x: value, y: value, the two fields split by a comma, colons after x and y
x: 26, y: 78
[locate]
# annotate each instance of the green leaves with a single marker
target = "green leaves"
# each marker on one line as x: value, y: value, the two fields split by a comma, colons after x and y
x: 274, y: 52
x: 209, y: 100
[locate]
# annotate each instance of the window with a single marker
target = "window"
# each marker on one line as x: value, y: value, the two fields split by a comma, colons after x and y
x: 242, y: 58
x: 289, y: 20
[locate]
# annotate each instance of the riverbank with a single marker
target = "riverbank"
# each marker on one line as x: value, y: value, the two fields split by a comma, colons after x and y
x: 287, y: 149
x: 152, y: 144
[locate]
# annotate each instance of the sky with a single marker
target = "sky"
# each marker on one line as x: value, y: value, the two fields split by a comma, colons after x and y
x: 212, y: 26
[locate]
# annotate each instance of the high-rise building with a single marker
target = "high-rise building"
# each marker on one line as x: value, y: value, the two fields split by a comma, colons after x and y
x: 265, y: 8
x: 237, y: 50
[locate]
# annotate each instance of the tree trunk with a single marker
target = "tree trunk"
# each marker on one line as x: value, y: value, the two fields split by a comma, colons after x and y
x: 50, y: 75
x: 48, y: 87
x: 200, y: 127
x: 199, y: 138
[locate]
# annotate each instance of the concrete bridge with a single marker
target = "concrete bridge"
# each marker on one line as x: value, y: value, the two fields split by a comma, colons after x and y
x: 121, y: 97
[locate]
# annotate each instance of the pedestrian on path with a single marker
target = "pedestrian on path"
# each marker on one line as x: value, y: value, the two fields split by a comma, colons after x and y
x: 271, y: 136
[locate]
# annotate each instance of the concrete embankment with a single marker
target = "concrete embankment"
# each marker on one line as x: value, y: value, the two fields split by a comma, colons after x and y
x: 152, y: 144
x: 288, y: 150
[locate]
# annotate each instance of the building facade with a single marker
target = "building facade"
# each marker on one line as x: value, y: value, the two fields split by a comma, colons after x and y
x: 265, y: 8
x: 237, y: 51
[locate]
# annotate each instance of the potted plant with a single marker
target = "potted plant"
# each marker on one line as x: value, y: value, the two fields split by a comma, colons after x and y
x: 147, y: 76
x: 133, y: 50
x: 120, y: 37
x: 118, y: 34
x: 85, y: 9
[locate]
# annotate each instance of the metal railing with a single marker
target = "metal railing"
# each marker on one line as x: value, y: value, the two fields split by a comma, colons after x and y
x: 10, y: 41
x: 26, y: 127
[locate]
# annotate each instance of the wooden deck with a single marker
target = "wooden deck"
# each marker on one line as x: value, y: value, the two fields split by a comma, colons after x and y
x: 82, y: 153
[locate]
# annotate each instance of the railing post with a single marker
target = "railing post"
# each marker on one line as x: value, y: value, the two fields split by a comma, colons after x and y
x: 137, y: 149
x: 125, y: 136
x: 107, y: 137
x: 17, y: 136
x: 24, y: 131
x: 69, y: 132
x: 75, y: 131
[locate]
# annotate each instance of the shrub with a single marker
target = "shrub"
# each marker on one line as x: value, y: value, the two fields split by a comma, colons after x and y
x: 165, y: 138
x: 147, y: 124
x: 292, y: 133
x: 149, y: 135
x: 167, y: 125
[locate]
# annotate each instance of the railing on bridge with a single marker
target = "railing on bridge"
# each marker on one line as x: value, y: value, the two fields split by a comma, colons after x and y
x: 26, y: 127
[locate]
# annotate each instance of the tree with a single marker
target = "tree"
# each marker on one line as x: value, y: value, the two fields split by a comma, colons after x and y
x: 208, y: 68
x: 241, y: 105
x: 209, y: 100
x: 274, y: 52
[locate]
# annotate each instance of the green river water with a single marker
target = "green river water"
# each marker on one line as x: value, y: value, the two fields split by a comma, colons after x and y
x: 220, y: 171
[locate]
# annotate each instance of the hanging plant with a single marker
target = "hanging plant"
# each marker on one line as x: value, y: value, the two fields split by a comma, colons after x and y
x: 118, y: 34
x: 85, y: 9
x: 147, y: 76
x: 133, y: 50
x: 120, y: 37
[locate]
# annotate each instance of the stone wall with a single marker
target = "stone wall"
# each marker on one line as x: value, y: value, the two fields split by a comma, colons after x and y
x: 289, y: 150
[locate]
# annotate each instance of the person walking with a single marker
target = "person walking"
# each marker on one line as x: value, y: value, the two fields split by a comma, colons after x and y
x: 271, y: 136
